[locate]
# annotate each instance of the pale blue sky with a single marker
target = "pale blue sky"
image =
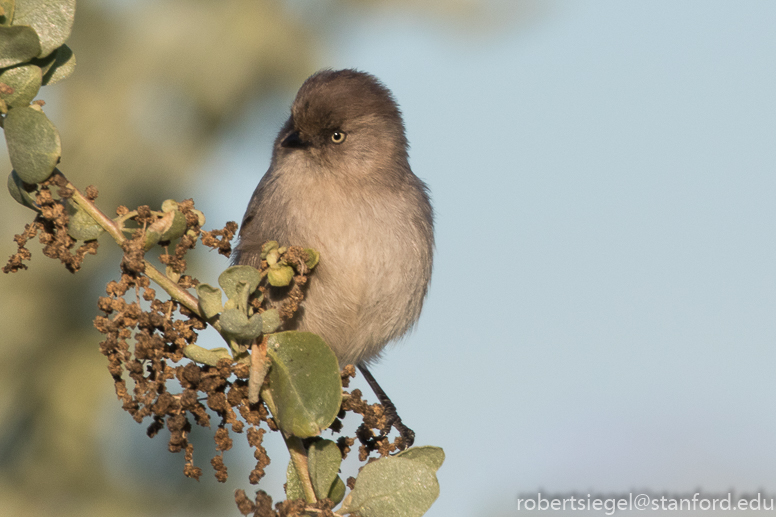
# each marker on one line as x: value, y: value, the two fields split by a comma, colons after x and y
x: 603, y: 308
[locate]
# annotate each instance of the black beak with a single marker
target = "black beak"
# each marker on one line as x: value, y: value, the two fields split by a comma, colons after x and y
x: 294, y: 141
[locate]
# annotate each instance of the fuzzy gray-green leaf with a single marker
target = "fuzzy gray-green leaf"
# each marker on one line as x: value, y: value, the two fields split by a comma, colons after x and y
x: 209, y: 300
x: 8, y: 8
x: 33, y: 144
x: 24, y: 80
x: 270, y: 321
x: 51, y: 19
x: 19, y: 193
x: 232, y: 277
x: 80, y: 225
x: 337, y: 490
x: 267, y: 247
x: 280, y: 276
x: 293, y: 484
x: 323, y: 463
x: 304, y: 381
x: 177, y: 227
x: 432, y: 456
x: 313, y: 257
x: 393, y: 486
x: 18, y: 44
x: 236, y: 324
x: 205, y: 356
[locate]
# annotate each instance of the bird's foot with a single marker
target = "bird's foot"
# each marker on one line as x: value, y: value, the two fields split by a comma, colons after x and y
x: 392, y: 420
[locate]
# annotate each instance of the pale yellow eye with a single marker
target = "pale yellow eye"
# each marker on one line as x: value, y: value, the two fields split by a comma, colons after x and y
x: 338, y: 137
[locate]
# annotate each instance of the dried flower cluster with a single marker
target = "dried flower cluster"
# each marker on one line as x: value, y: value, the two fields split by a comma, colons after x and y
x: 145, y: 339
x: 50, y: 225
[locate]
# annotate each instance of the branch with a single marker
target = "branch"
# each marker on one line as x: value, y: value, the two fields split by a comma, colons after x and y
x: 299, y: 458
x: 176, y: 292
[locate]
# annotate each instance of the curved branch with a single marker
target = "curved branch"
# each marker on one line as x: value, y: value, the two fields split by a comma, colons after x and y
x: 176, y: 292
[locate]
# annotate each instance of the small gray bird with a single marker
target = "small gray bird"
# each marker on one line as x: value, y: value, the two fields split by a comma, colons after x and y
x: 340, y: 182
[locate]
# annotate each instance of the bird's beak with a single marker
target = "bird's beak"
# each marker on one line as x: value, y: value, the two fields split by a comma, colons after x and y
x: 294, y: 141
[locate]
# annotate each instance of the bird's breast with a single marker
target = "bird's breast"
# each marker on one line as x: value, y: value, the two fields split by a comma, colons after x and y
x: 369, y: 284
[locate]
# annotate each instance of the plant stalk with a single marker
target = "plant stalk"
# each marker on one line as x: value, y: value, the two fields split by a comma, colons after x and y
x: 176, y: 292
x: 259, y: 369
x: 299, y: 459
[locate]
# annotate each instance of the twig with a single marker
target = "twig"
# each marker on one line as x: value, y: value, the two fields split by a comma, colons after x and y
x: 259, y: 369
x: 299, y: 459
x: 176, y: 292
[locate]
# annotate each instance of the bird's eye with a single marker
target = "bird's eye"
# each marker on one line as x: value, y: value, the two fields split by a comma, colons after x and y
x: 338, y: 137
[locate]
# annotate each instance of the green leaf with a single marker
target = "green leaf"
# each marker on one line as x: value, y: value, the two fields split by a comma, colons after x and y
x: 200, y: 217
x: 267, y: 247
x: 235, y: 323
x: 393, y: 486
x: 33, y: 144
x: 177, y: 227
x: 170, y: 273
x: 19, y: 193
x: 323, y: 463
x: 80, y: 225
x: 151, y: 239
x: 337, y: 491
x: 239, y: 300
x: 209, y: 300
x: 432, y: 456
x: 169, y: 205
x: 304, y: 381
x: 205, y: 356
x: 270, y: 321
x: 60, y: 67
x: 154, y: 231
x: 25, y: 80
x: 18, y: 44
x: 51, y: 19
x: 7, y: 7
x: 313, y: 257
x: 232, y: 278
x: 293, y: 484
x: 273, y: 256
x: 280, y: 276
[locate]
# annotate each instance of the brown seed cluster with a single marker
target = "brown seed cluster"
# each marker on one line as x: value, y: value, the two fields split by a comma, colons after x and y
x: 373, y: 416
x: 145, y: 338
x: 144, y: 345
x: 221, y: 240
x: 50, y: 225
x: 293, y: 296
x: 261, y: 506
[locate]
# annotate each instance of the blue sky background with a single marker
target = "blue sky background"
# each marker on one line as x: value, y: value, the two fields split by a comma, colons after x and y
x: 602, y: 311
